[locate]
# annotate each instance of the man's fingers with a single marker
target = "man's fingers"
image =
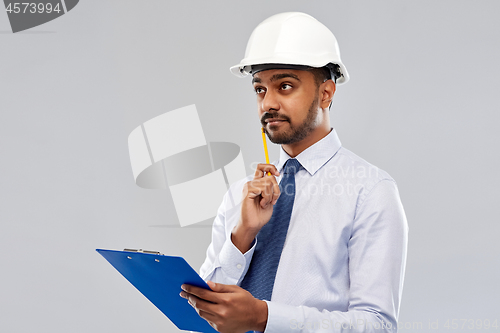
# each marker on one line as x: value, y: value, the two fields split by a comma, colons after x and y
x: 201, y: 293
x: 267, y: 188
x: 210, y: 318
x: 199, y: 304
x: 222, y: 288
x: 253, y: 189
x: 259, y: 187
x: 265, y: 194
x: 263, y: 169
x: 205, y: 310
x: 272, y: 192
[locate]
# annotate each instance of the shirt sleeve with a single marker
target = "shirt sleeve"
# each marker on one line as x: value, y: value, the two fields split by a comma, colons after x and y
x: 377, y: 259
x: 224, y: 262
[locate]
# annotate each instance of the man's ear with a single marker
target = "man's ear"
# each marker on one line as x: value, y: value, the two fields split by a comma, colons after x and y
x: 327, y: 92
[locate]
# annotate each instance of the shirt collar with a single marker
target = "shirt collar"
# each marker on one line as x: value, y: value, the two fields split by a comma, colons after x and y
x: 314, y: 156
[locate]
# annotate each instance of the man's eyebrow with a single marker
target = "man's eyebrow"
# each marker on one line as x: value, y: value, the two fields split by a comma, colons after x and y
x: 256, y: 79
x: 276, y: 77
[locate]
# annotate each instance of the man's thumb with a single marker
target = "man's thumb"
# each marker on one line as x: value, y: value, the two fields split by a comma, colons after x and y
x: 216, y: 286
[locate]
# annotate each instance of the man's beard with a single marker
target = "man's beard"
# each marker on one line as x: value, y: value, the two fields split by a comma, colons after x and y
x: 294, y: 133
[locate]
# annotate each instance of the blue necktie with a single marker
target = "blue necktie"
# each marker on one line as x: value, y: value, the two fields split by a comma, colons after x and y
x: 259, y: 279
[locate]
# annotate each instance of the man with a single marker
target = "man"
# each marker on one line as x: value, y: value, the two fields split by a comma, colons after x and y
x: 318, y: 242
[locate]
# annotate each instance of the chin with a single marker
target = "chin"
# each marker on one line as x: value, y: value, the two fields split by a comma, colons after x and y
x: 282, y: 139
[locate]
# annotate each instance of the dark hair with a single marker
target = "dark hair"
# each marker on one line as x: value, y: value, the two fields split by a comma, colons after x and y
x: 321, y: 74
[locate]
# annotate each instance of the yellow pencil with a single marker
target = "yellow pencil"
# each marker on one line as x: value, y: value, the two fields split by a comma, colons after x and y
x: 265, y: 147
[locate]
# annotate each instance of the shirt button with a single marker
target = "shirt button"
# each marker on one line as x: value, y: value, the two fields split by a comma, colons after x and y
x: 239, y: 266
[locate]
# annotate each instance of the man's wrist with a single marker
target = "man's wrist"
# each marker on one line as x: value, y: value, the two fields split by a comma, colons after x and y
x: 261, y: 320
x: 242, y: 238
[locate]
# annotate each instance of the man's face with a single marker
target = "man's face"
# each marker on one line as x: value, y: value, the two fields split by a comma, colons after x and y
x: 288, y: 104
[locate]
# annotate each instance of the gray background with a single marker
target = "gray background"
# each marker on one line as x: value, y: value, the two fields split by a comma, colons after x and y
x: 422, y: 104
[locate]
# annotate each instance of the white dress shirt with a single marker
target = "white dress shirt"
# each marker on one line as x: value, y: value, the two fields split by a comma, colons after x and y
x: 343, y: 261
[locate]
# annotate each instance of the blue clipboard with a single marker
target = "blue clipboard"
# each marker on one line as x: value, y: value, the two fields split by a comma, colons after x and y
x: 159, y: 278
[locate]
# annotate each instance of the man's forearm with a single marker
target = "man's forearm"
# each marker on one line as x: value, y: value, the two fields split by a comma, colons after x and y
x: 290, y: 318
x: 242, y: 238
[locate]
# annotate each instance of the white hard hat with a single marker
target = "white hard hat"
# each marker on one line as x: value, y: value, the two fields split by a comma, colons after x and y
x: 292, y: 39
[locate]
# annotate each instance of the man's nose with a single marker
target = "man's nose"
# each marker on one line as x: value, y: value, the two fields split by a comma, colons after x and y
x: 270, y: 101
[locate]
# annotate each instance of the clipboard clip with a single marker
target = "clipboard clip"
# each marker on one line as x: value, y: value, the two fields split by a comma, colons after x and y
x: 143, y: 251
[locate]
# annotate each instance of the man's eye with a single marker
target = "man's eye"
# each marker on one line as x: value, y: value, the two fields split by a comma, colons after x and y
x: 259, y: 90
x: 286, y: 86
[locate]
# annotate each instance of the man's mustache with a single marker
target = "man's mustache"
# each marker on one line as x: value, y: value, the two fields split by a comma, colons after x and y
x: 269, y: 115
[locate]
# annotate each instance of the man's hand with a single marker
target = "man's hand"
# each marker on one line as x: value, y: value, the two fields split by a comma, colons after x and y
x: 259, y: 197
x: 227, y: 308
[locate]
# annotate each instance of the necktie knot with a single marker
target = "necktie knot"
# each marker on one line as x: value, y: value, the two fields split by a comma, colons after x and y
x: 291, y: 166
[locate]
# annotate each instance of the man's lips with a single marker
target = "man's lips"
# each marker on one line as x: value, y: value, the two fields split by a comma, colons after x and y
x: 274, y: 121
